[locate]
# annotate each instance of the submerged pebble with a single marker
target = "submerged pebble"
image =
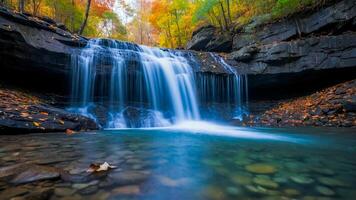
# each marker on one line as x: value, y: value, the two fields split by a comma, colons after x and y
x: 291, y: 192
x: 302, y: 179
x: 241, y: 179
x: 324, y: 190
x: 261, y: 168
x: 268, y: 183
x: 64, y: 191
x: 332, y: 182
x: 233, y: 191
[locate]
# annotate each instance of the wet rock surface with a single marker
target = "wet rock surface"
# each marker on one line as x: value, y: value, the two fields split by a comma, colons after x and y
x: 333, y: 106
x: 22, y: 113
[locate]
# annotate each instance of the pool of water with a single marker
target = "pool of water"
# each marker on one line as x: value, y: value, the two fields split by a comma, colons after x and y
x: 182, y: 162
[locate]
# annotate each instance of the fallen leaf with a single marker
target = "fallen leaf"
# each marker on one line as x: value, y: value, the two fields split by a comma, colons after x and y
x: 70, y: 132
x: 24, y: 114
x: 36, y: 124
x: 100, y: 167
x: 43, y: 113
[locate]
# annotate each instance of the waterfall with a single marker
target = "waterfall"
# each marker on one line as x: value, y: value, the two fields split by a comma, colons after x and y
x: 121, y: 84
x: 236, y: 88
x: 166, y: 83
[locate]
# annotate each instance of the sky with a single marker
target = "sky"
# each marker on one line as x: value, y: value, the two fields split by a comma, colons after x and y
x: 121, y: 13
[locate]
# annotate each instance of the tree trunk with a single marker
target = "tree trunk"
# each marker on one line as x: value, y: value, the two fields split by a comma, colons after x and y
x: 223, y: 14
x: 72, y: 17
x: 36, y: 6
x: 229, y: 11
x: 21, y: 6
x: 85, y: 18
x: 178, y: 29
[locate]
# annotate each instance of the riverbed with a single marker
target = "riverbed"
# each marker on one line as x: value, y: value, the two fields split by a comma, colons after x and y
x: 182, y: 162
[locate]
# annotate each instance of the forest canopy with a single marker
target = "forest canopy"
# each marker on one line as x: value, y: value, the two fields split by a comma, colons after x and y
x: 165, y: 23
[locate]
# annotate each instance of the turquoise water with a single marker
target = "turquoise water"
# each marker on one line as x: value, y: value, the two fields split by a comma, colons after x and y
x: 208, y: 162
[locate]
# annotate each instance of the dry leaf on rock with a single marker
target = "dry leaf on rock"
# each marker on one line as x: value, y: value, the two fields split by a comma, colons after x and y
x: 100, y: 167
x: 70, y: 132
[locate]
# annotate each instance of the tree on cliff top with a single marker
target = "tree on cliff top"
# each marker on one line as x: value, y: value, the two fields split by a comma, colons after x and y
x: 85, y: 18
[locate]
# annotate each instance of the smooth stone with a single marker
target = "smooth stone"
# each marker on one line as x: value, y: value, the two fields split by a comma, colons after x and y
x: 129, y: 177
x: 280, y: 179
x: 315, y: 198
x: 291, y: 192
x: 127, y: 190
x: 324, y: 190
x: 256, y: 189
x: 332, y: 182
x: 296, y: 166
x: 265, y: 182
x: 261, y: 168
x: 64, y: 192
x: 166, y: 181
x: 40, y: 194
x: 263, y: 176
x: 89, y: 190
x: 233, y: 191
x: 324, y: 171
x: 80, y: 186
x: 241, y: 179
x: 303, y: 180
x: 77, y: 171
x: 36, y: 173
x: 13, y: 192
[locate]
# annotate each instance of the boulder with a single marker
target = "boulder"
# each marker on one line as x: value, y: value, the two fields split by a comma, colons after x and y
x: 141, y: 117
x: 207, y: 38
x: 21, y: 113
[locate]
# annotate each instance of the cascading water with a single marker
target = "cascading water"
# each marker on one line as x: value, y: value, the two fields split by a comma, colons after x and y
x: 237, y: 89
x: 166, y: 83
x: 122, y: 84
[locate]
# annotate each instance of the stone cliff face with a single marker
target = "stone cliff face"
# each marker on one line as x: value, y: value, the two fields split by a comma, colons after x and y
x: 302, y: 53
x: 37, y: 51
x: 322, y: 40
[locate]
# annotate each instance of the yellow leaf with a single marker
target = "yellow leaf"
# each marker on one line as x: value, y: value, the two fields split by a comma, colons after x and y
x: 36, y: 124
x: 24, y: 114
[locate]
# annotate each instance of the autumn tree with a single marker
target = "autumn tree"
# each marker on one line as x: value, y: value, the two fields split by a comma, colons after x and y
x: 85, y: 18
